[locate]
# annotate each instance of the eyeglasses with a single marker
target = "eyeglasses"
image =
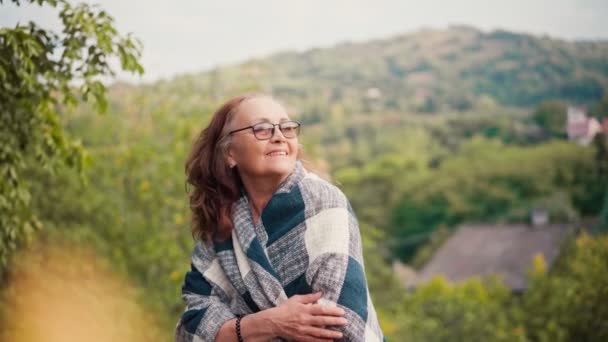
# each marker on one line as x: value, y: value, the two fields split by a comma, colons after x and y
x: 265, y: 130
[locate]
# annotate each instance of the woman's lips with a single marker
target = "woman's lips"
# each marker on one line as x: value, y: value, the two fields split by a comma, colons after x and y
x: 276, y: 153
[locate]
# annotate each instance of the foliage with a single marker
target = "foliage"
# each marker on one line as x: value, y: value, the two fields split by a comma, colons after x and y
x: 490, y: 182
x: 600, y: 109
x: 39, y: 70
x: 600, y: 142
x: 568, y: 305
x: 565, y: 304
x: 133, y: 210
x: 552, y: 117
x: 472, y: 311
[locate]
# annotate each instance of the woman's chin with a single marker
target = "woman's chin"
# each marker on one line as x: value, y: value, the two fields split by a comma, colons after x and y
x: 281, y: 167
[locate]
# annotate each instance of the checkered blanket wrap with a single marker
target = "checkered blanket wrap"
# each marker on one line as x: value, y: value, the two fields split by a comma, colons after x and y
x: 306, y: 241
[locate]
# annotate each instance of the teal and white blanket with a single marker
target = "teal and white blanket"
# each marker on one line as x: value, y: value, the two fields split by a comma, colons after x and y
x: 307, y: 240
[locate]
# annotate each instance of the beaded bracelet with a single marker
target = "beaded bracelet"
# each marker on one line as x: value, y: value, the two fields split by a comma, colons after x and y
x: 238, y: 329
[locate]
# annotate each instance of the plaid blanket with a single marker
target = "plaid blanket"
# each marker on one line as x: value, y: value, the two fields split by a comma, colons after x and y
x: 307, y: 240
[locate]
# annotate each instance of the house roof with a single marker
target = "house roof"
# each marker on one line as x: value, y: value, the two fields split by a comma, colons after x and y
x: 483, y: 250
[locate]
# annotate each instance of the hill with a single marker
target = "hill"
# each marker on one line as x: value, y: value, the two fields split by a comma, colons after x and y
x: 455, y: 69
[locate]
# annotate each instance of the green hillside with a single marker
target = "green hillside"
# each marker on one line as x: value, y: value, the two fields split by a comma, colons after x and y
x: 450, y: 68
x: 424, y: 71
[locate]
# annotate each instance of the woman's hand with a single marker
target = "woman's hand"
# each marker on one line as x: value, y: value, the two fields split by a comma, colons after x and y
x: 299, y: 318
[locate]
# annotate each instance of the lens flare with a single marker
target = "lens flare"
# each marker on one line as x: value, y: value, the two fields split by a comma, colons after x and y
x: 64, y: 293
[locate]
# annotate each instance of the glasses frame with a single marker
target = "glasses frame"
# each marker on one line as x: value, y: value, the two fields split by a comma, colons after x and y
x: 297, y: 129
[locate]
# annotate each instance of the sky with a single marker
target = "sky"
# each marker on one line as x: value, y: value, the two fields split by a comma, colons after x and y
x: 186, y: 36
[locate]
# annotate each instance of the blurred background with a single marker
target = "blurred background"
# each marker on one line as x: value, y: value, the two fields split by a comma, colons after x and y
x: 469, y: 136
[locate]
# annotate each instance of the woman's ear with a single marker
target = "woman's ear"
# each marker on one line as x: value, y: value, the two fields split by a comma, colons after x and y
x: 230, y: 159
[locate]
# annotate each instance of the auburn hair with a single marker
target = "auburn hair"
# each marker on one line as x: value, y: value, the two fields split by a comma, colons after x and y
x: 214, y: 185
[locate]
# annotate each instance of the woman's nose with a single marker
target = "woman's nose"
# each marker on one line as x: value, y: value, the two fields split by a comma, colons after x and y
x: 277, y: 135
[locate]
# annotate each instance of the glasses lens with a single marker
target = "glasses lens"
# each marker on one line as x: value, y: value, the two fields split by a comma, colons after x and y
x: 263, y: 130
x: 290, y: 129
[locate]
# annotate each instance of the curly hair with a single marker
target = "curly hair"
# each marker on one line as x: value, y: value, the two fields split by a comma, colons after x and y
x: 215, y: 186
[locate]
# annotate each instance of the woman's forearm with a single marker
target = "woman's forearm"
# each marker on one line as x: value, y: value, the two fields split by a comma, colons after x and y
x: 254, y: 327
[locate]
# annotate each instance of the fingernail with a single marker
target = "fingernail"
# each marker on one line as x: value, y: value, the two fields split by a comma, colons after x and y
x: 343, y: 321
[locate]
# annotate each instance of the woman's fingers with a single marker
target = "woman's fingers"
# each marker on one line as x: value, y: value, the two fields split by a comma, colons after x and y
x: 316, y: 332
x: 327, y: 321
x: 308, y: 298
x: 306, y: 320
x: 323, y: 310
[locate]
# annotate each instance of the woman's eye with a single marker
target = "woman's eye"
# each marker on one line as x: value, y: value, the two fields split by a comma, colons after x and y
x: 261, y: 128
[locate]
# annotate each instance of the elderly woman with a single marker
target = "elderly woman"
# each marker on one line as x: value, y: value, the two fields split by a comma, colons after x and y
x: 278, y: 252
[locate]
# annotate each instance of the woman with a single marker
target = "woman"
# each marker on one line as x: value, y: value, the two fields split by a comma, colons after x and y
x: 278, y: 252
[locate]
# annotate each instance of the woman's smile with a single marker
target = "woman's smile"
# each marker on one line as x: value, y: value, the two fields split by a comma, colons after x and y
x: 277, y: 153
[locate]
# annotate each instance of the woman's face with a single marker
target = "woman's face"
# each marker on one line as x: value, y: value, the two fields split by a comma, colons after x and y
x: 275, y: 157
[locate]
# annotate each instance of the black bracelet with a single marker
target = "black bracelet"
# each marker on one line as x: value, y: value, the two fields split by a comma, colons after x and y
x: 238, y: 329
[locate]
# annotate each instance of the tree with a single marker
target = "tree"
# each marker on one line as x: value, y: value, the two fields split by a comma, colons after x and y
x: 474, y: 310
x: 600, y: 109
x: 551, y: 116
x: 600, y: 142
x: 568, y: 303
x: 41, y: 71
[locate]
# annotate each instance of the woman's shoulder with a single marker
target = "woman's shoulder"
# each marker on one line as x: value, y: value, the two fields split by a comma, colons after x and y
x: 321, y: 193
x: 203, y: 254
